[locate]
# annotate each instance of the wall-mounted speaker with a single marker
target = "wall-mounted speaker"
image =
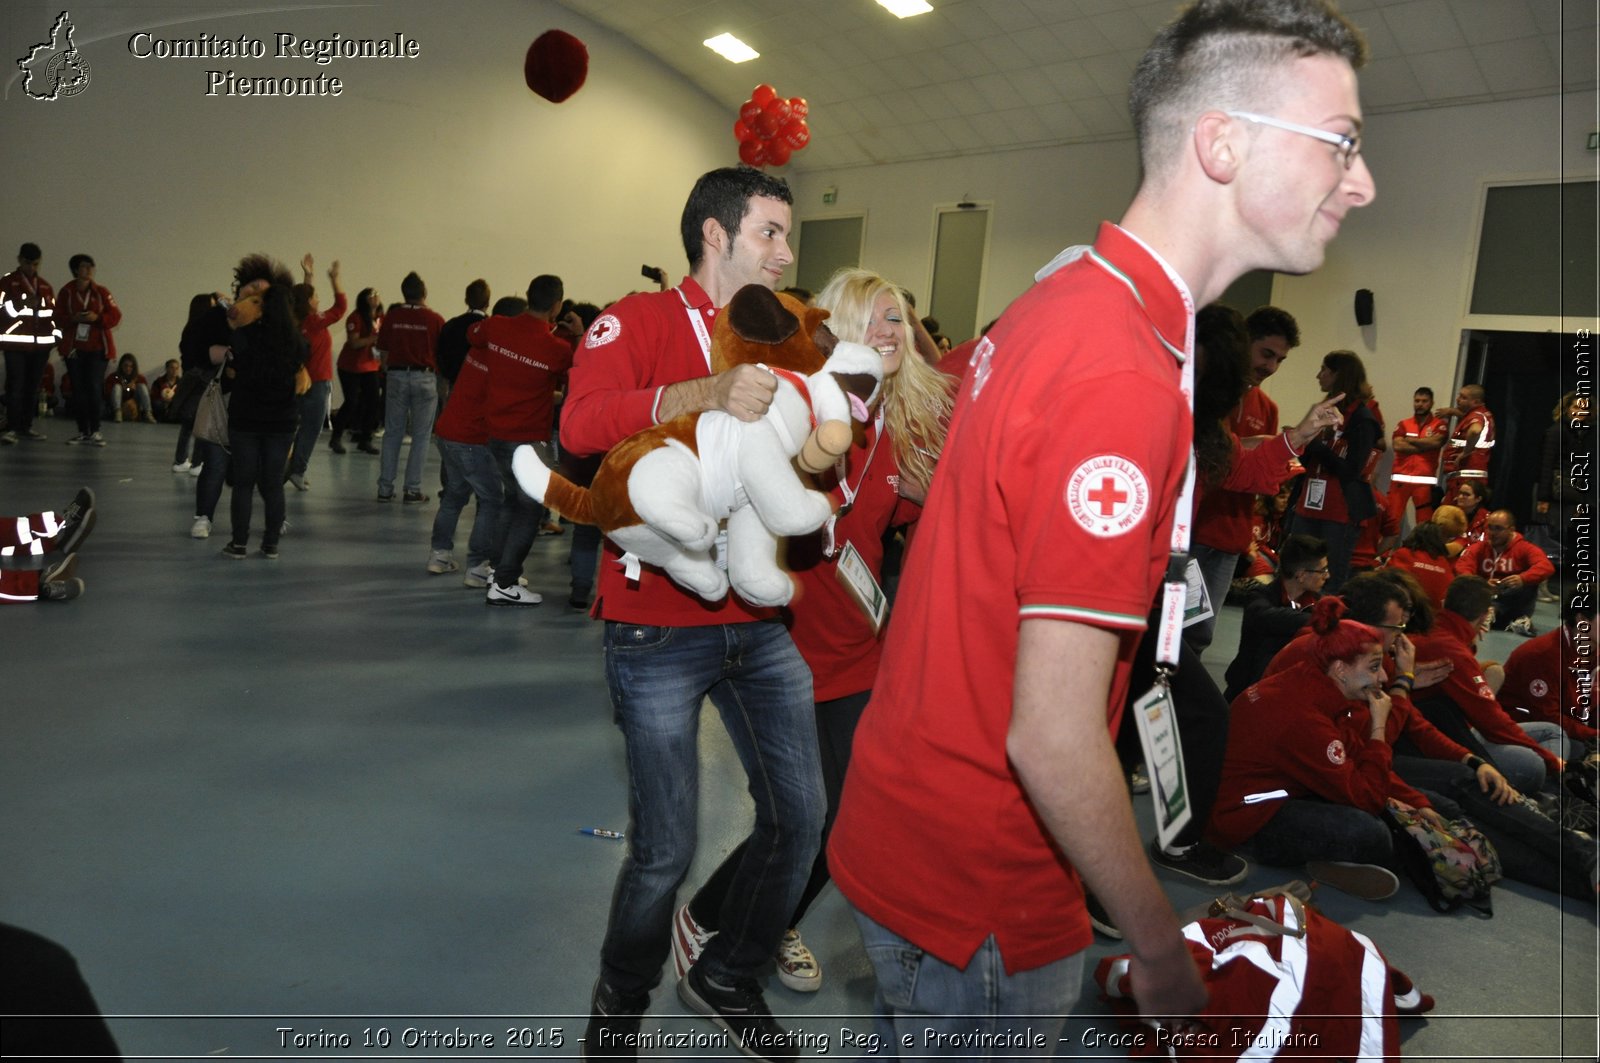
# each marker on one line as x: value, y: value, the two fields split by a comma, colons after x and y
x: 1363, y: 306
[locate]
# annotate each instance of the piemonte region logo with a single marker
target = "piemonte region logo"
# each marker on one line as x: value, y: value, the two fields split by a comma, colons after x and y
x: 55, y: 68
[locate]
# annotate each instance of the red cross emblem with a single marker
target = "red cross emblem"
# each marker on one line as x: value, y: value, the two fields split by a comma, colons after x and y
x: 1108, y: 495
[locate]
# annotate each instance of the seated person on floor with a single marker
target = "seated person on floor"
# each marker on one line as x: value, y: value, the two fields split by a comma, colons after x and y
x: 1426, y: 557
x: 1458, y: 781
x: 39, y: 552
x: 164, y: 388
x: 1551, y: 678
x: 1514, y: 568
x: 1463, y: 706
x: 1307, y: 777
x: 127, y: 393
x: 1276, y: 611
x: 1452, y: 524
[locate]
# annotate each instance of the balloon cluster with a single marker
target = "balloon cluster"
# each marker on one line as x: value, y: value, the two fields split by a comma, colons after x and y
x: 771, y: 128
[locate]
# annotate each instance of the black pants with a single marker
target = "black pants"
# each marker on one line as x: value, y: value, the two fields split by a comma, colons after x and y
x: 359, y: 413
x: 520, y: 516
x: 24, y: 371
x: 40, y: 978
x: 258, y: 462
x: 88, y: 372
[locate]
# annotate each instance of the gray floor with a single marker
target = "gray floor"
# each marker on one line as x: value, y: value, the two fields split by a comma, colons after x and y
x: 335, y: 794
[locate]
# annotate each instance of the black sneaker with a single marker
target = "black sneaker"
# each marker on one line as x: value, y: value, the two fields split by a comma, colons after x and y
x: 237, y: 551
x: 77, y: 521
x: 269, y: 552
x: 61, y: 590
x: 1202, y: 861
x: 1099, y: 918
x: 742, y: 1011
x: 411, y: 498
x: 613, y: 1027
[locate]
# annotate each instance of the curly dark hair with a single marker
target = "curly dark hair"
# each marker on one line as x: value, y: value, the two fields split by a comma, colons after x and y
x: 1221, y: 379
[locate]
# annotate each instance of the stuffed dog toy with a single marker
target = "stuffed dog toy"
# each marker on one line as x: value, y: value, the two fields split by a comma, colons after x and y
x: 662, y: 493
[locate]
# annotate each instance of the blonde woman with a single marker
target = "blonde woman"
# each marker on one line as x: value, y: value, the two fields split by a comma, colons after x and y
x: 880, y: 485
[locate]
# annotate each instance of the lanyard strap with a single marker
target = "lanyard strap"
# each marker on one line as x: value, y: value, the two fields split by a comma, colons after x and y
x: 841, y: 468
x: 699, y: 324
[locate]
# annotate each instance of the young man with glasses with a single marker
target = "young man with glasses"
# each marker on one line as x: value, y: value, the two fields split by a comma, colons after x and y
x: 983, y: 782
x: 1276, y: 611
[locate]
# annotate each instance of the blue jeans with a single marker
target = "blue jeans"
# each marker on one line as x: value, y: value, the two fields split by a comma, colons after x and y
x: 469, y: 472
x: 313, y: 411
x: 585, y: 559
x: 917, y: 992
x: 259, y: 459
x: 1522, y: 767
x: 406, y: 395
x: 520, y: 515
x: 756, y: 679
x: 1217, y: 569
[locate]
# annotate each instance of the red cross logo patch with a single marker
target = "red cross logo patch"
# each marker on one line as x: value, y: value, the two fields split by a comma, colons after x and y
x: 605, y: 329
x: 1538, y: 688
x: 1108, y: 495
x: 1336, y: 754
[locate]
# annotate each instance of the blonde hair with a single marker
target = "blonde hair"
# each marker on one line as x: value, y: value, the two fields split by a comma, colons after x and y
x: 918, y: 398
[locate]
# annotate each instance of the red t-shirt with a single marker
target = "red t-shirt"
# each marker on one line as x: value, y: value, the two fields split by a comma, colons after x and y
x: 315, y: 329
x: 408, y: 335
x: 526, y: 359
x: 1223, y: 517
x: 829, y: 628
x: 630, y: 355
x: 358, y: 359
x: 462, y: 420
x: 1548, y: 679
x: 1054, y: 500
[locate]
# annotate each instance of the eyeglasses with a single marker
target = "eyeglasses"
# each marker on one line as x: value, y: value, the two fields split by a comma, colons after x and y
x: 1323, y: 571
x: 1393, y: 627
x: 1349, y: 146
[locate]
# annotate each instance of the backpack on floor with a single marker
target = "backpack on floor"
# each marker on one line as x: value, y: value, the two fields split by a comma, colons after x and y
x: 1452, y: 867
x: 1284, y: 982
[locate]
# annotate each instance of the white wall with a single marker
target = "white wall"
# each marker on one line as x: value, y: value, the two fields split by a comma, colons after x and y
x: 1413, y: 246
x: 446, y: 164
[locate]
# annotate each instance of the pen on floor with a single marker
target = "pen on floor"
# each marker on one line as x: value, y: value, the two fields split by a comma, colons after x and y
x: 600, y: 832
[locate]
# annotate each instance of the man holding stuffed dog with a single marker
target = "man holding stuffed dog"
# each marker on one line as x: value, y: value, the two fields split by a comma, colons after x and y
x: 645, y: 361
x: 984, y: 792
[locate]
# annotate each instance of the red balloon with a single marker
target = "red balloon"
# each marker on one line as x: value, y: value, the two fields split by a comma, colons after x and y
x: 779, y: 109
x: 796, y: 134
x: 766, y: 125
x: 742, y: 131
x: 753, y: 152
x: 778, y: 152
x: 798, y: 107
x: 749, y: 110
x: 763, y: 94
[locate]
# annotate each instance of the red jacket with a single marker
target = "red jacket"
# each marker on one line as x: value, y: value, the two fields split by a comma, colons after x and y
x: 1296, y: 731
x: 1432, y: 571
x: 1521, y: 558
x: 408, y: 335
x: 1454, y: 637
x: 1403, y: 715
x: 96, y: 336
x: 1548, y: 678
x: 27, y: 313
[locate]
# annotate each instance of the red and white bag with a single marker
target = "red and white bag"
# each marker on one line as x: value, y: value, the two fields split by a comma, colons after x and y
x: 1285, y: 982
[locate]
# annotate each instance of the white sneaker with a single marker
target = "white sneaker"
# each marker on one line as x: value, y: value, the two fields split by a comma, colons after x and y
x: 201, y: 529
x: 1522, y: 625
x: 182, y: 466
x: 97, y: 440
x: 797, y: 965
x: 196, y: 470
x: 441, y: 562
x: 513, y: 596
x: 478, y: 576
x: 688, y: 940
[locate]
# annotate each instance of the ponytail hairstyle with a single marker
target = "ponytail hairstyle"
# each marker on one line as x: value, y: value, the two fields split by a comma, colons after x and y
x: 1338, y: 639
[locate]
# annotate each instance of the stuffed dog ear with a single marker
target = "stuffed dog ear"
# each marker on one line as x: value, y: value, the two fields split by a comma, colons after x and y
x: 823, y: 336
x: 757, y: 315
